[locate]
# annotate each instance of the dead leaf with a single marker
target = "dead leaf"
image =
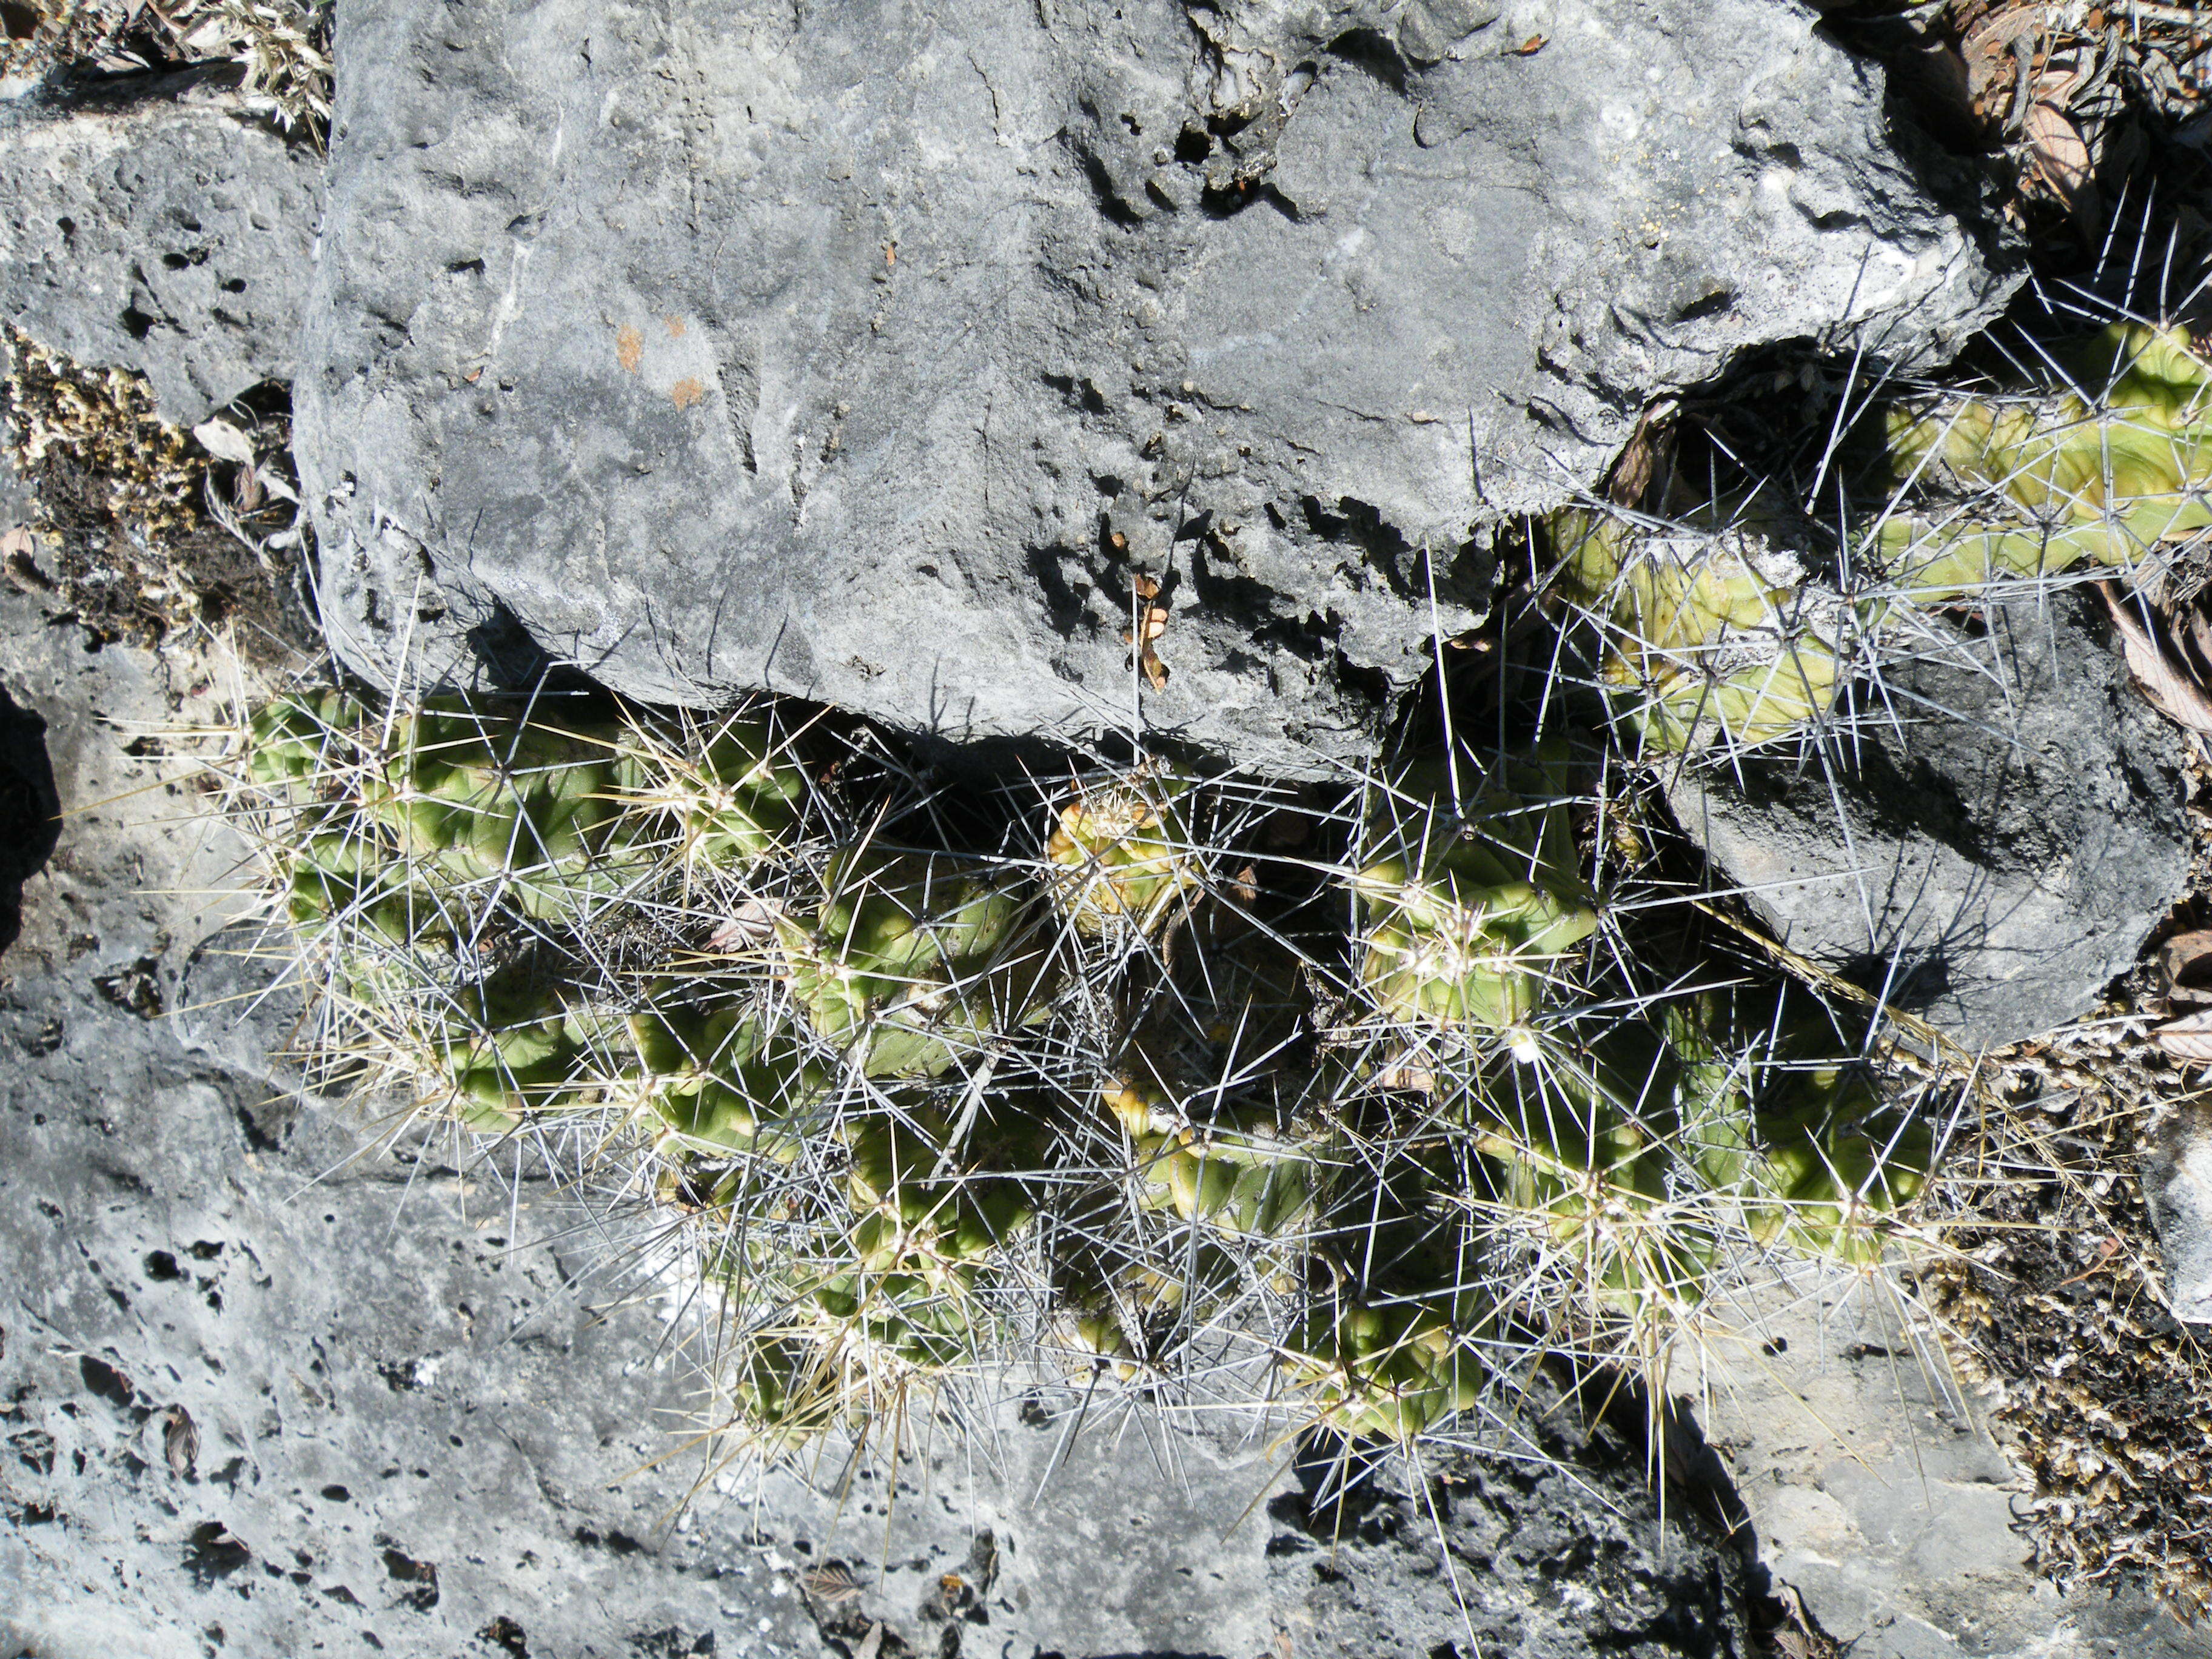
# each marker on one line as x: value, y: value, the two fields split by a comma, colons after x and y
x: 2186, y: 960
x: 752, y: 924
x: 2058, y: 159
x: 831, y: 1582
x: 1633, y: 468
x: 1414, y: 1079
x: 19, y: 559
x: 1153, y: 623
x: 1991, y: 69
x: 2189, y: 1038
x: 2200, y: 636
x: 224, y: 442
x: 1531, y: 46
x: 2168, y: 686
x: 180, y: 1442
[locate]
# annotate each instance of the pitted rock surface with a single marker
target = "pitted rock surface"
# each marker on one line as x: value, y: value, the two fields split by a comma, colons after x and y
x: 872, y: 352
x: 1545, y: 1550
x: 1990, y: 840
x: 155, y: 226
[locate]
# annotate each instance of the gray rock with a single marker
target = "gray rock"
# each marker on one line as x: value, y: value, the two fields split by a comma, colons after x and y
x: 262, y: 1389
x: 869, y: 358
x: 14, y: 497
x: 1987, y: 846
x: 159, y: 229
x: 2177, y: 1182
x: 1554, y: 1552
x: 187, y: 1237
x: 1872, y: 1486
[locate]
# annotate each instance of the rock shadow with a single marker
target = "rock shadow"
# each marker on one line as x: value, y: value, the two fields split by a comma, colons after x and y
x: 30, y: 810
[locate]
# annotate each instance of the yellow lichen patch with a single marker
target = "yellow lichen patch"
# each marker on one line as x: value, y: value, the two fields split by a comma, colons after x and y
x: 629, y: 347
x: 686, y: 393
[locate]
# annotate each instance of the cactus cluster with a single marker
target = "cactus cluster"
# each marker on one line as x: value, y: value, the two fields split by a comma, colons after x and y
x: 916, y: 1102
x: 1722, y: 623
x: 1624, y: 1147
x: 1172, y: 1092
x: 455, y: 865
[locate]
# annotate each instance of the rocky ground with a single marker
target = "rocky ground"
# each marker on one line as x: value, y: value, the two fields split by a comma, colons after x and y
x: 274, y: 1381
x: 271, y: 1382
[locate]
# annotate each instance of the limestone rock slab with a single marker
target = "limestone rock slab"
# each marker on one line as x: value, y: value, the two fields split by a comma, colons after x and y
x: 158, y: 228
x: 1987, y: 844
x: 868, y: 350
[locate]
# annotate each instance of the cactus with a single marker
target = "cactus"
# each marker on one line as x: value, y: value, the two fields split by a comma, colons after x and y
x: 1468, y: 914
x: 875, y: 1292
x: 479, y: 804
x: 1584, y: 1152
x: 911, y: 963
x: 896, y: 1142
x: 2103, y: 474
x: 1834, y: 1164
x: 1385, y: 1370
x: 719, y: 1077
x: 724, y: 798
x: 1714, y: 631
x: 1121, y: 854
x: 1235, y: 1173
x: 1709, y: 635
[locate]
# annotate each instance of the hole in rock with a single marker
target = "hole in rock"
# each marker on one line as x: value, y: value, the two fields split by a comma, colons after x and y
x: 30, y: 810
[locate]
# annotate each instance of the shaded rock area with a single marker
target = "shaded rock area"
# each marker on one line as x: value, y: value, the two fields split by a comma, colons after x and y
x: 153, y: 226
x: 1987, y: 844
x: 1557, y: 1553
x: 873, y: 359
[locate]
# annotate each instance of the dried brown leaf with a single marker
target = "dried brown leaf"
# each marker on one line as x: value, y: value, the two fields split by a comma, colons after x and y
x: 1987, y: 44
x: 2166, y: 682
x: 752, y: 923
x: 2189, y: 1038
x: 2200, y: 641
x: 19, y: 560
x: 1639, y: 458
x: 2186, y: 960
x: 180, y: 1442
x: 1532, y: 45
x: 2057, y: 158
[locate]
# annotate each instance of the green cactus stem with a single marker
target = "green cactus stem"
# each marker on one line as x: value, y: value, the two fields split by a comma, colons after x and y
x: 2102, y: 471
x: 1469, y: 914
x: 1386, y: 1369
x: 911, y: 962
x: 1121, y: 854
x: 1709, y: 635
